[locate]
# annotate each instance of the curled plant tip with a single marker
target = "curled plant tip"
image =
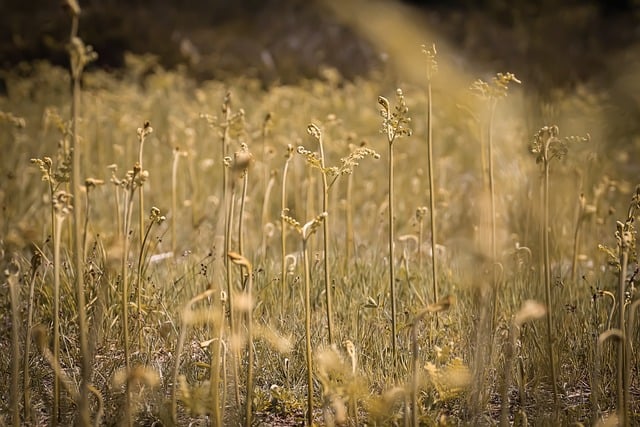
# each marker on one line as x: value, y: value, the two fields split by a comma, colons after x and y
x: 547, y: 144
x: 144, y: 131
x: 62, y: 203
x: 238, y: 259
x: 314, y: 131
x: 93, y: 182
x: 12, y: 270
x: 531, y: 310
x: 155, y: 216
x: 72, y: 6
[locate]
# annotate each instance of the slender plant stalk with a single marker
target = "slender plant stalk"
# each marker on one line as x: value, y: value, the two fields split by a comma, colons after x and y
x: 307, y: 327
x: 283, y: 230
x: 492, y: 197
x: 547, y: 280
x: 174, y: 196
x: 14, y: 292
x: 230, y: 291
x: 36, y: 260
x: 80, y: 56
x: 226, y: 110
x: 349, y: 238
x: 56, y: 319
x: 325, y: 239
x: 392, y: 276
x: 243, y: 262
x: 265, y: 210
x: 214, y: 377
x: 576, y: 236
x: 306, y: 231
x: 394, y: 124
x: 431, y: 68
x: 622, y: 345
x: 243, y: 198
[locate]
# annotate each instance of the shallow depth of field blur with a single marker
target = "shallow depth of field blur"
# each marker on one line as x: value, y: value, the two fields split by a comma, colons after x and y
x: 208, y: 87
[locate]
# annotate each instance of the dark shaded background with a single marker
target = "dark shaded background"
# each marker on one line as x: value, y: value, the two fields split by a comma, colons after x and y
x: 284, y: 40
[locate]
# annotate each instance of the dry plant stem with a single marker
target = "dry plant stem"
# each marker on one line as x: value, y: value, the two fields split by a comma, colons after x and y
x: 139, y: 283
x: 576, y: 240
x: 128, y: 208
x: 492, y: 196
x: 265, y: 209
x: 283, y: 231
x: 174, y: 197
x: 603, y: 337
x: 214, y: 377
x: 243, y: 262
x: 14, y: 291
x: 432, y: 192
x: 547, y: 276
x: 509, y: 354
x: 230, y: 290
x: 307, y: 328
x: 349, y: 238
x: 243, y: 198
x: 622, y: 380
x: 76, y: 183
x: 226, y: 109
x: 632, y: 324
x: 392, y: 276
x: 35, y: 263
x: 56, y: 319
x: 325, y: 242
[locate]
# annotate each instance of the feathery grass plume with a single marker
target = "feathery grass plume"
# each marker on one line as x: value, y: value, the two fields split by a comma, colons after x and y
x: 306, y: 231
x: 530, y: 311
x: 154, y: 218
x: 283, y: 228
x: 62, y: 207
x: 430, y: 309
x: 240, y: 260
x: 395, y: 124
x: 36, y: 261
x: 546, y: 146
x: 177, y: 153
x: 432, y: 68
x: 80, y: 55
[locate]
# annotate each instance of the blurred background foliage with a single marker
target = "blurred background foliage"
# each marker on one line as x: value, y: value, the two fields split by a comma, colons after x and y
x: 285, y: 40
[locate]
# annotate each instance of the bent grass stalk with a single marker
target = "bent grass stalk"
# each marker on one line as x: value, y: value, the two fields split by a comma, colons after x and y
x: 394, y: 125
